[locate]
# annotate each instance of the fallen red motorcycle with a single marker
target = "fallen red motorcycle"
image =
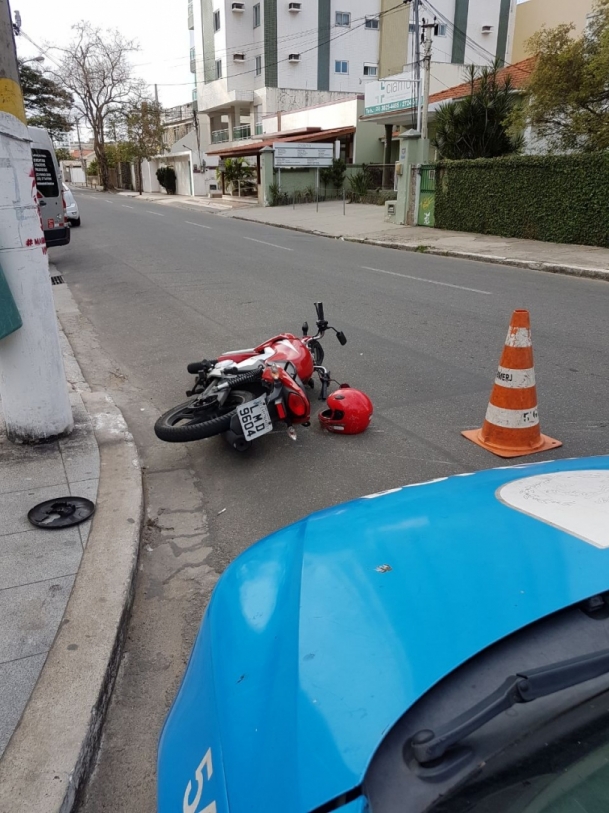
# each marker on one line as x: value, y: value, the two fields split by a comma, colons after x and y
x: 244, y: 394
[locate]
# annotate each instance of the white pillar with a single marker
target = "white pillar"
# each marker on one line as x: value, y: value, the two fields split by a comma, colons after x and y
x: 33, y: 385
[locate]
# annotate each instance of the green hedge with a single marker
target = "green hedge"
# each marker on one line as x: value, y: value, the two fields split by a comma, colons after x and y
x: 560, y: 199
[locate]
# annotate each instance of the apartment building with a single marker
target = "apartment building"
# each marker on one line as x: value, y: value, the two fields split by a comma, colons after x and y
x: 252, y: 58
x: 177, y: 122
x: 532, y: 15
x: 471, y: 32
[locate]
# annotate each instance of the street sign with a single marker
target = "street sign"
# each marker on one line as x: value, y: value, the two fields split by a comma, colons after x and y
x: 302, y: 155
x: 388, y: 95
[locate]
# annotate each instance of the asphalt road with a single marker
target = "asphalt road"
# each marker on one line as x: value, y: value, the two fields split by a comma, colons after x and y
x: 159, y: 286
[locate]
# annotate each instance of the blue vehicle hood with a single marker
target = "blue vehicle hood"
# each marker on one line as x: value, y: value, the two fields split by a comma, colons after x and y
x: 321, y: 636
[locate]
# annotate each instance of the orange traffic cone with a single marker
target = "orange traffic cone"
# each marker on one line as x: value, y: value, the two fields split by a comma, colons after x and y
x: 511, y: 426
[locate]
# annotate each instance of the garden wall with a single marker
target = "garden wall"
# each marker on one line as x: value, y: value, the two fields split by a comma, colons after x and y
x: 561, y: 199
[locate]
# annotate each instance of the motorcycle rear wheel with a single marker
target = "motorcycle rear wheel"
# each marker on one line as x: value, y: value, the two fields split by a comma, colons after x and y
x: 186, y: 422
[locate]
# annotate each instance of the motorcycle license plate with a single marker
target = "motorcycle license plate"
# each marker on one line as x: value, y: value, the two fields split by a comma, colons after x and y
x: 254, y: 418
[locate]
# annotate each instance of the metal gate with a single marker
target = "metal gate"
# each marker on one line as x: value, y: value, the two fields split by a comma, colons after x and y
x: 427, y: 196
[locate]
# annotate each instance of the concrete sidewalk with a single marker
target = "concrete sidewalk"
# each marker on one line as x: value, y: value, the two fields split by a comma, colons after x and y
x: 38, y: 567
x: 366, y: 224
x: 65, y: 595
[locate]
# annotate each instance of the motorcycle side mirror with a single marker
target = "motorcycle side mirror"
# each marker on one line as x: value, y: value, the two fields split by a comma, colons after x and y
x: 341, y: 337
x: 305, y: 329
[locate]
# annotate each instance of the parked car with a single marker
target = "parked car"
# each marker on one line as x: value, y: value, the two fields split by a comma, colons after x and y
x: 48, y: 185
x: 72, y: 213
x: 440, y: 647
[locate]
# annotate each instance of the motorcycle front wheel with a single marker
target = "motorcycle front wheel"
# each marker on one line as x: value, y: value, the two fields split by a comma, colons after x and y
x: 193, y: 421
x: 317, y: 352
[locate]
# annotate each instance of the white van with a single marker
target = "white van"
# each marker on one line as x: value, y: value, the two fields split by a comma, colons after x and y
x: 48, y: 184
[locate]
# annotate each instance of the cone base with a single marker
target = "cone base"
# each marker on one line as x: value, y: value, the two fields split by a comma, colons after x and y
x: 546, y: 443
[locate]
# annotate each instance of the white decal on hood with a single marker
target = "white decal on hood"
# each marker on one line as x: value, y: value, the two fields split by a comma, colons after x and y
x: 573, y: 501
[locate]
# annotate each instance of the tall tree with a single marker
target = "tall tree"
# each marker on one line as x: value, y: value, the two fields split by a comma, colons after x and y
x: 478, y: 126
x: 47, y: 104
x: 144, y: 133
x: 568, y: 91
x: 95, y: 68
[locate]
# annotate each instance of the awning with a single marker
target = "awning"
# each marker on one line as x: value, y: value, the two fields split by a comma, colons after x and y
x: 255, y: 147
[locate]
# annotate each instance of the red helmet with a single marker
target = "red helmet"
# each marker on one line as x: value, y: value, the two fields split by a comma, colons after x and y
x: 348, y: 413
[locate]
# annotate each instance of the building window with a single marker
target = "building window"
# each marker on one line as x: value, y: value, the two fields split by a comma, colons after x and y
x: 216, y: 20
x: 256, y: 15
x: 370, y: 70
x: 340, y: 66
x: 373, y: 23
x: 411, y: 28
x: 343, y: 18
x: 218, y: 69
x: 441, y: 30
x: 258, y: 65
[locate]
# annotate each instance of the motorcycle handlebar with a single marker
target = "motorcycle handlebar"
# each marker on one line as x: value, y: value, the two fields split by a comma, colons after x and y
x: 195, y: 367
x: 319, y: 307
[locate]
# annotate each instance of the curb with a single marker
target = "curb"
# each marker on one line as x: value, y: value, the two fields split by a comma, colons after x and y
x: 52, y: 750
x: 552, y: 268
x: 176, y: 200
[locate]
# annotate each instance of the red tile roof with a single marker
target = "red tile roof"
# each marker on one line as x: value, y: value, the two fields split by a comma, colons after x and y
x: 519, y: 72
x: 253, y: 148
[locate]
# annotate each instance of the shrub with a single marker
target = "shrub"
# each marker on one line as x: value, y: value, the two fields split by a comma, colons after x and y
x: 334, y: 175
x: 166, y: 176
x: 359, y: 182
x: 277, y: 197
x: 557, y: 198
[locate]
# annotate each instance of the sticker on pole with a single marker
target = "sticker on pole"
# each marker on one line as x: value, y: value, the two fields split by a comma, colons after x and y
x: 254, y: 418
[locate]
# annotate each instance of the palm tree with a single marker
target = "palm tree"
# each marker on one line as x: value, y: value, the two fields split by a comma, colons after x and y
x: 235, y: 171
x: 478, y: 126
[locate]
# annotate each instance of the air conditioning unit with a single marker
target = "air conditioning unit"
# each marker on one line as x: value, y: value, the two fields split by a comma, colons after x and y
x: 488, y: 29
x: 239, y: 7
x: 294, y: 58
x: 240, y: 57
x: 294, y: 6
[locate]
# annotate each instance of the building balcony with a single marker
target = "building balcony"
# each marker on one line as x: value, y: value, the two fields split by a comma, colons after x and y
x: 182, y: 112
x: 258, y: 128
x: 242, y: 131
x: 193, y: 61
x: 219, y: 136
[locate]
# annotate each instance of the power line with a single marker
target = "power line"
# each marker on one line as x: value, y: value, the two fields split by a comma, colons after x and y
x: 383, y: 14
x: 42, y: 51
x: 258, y: 43
x: 482, y: 51
x: 289, y: 37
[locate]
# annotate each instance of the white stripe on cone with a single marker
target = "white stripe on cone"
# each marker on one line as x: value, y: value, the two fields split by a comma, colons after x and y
x: 512, y: 418
x: 515, y: 379
x: 518, y: 337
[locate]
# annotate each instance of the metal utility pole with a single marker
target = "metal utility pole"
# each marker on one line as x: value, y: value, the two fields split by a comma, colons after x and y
x: 82, y: 160
x: 33, y: 384
x: 428, y: 28
x: 156, y: 94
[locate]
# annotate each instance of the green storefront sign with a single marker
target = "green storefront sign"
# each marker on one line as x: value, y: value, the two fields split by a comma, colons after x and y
x: 388, y: 107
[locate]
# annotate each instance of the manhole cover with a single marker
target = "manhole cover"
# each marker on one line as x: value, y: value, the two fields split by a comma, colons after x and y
x: 58, y: 280
x: 61, y: 512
